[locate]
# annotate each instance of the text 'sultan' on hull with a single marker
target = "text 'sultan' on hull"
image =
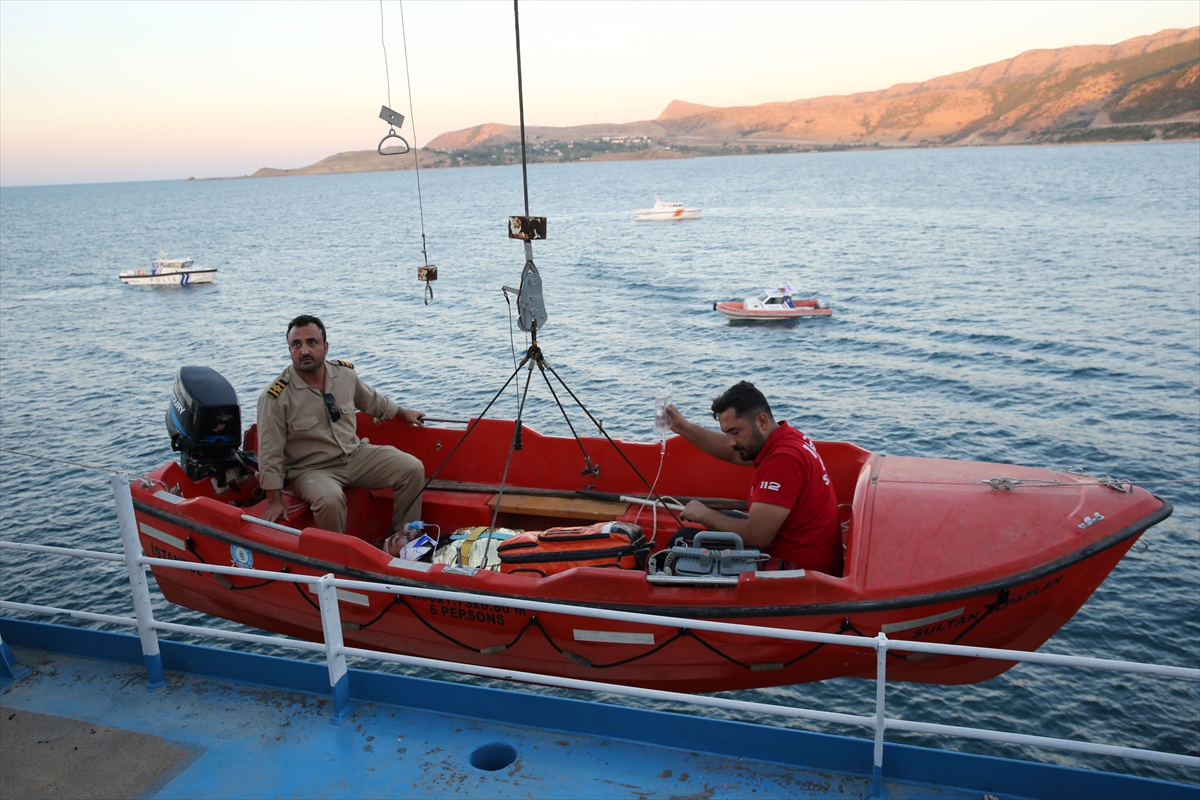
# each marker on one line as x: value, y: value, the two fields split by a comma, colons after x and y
x: 935, y: 550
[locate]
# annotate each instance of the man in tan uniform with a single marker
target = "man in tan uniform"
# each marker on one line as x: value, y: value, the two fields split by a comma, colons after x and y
x: 306, y: 434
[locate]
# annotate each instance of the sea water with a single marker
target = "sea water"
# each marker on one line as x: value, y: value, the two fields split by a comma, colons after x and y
x: 1023, y: 305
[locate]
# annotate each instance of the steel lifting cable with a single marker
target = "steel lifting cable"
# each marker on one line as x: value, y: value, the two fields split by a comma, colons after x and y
x: 511, y: 448
x: 589, y: 467
x: 428, y: 273
x: 521, y: 107
x: 524, y: 161
x: 412, y: 120
x: 600, y: 427
x: 474, y: 424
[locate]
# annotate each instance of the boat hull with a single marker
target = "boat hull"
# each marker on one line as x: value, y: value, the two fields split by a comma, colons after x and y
x: 667, y: 216
x: 183, y: 277
x: 1018, y: 604
x: 735, y: 309
x: 1020, y: 616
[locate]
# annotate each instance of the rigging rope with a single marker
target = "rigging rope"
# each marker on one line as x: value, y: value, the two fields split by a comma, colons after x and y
x: 68, y: 463
x: 512, y: 447
x: 386, y: 71
x: 600, y: 427
x: 511, y: 339
x: 412, y: 122
x: 589, y: 468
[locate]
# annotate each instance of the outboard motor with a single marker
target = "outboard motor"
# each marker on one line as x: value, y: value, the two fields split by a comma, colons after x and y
x: 205, y: 424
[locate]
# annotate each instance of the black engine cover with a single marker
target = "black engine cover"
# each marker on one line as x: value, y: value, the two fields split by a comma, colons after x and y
x: 205, y: 422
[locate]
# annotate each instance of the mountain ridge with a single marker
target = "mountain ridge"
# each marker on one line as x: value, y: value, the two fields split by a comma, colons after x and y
x: 981, y: 105
x: 1146, y: 87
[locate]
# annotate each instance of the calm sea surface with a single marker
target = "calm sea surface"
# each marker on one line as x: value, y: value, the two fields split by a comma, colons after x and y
x: 1034, y: 306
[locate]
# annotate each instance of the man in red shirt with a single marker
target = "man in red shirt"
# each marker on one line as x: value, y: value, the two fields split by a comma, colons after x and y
x: 793, y: 509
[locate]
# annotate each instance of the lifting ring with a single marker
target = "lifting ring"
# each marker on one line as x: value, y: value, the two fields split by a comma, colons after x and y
x: 391, y: 134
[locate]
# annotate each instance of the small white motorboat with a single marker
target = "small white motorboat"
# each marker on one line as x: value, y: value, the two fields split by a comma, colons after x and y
x: 779, y: 303
x: 168, y: 272
x: 665, y: 212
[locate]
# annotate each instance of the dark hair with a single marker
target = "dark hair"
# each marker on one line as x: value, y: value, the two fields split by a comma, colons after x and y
x: 744, y: 399
x: 306, y: 319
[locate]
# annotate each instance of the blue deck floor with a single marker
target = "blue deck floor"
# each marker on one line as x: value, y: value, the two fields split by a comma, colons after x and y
x: 254, y: 742
x: 238, y: 739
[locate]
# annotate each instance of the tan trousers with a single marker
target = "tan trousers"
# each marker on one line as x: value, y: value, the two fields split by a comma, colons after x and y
x: 371, y: 467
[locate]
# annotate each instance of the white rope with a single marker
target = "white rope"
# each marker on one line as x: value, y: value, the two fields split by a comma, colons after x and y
x: 63, y: 461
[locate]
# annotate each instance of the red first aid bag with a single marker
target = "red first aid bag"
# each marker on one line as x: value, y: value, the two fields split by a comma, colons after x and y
x: 616, y: 545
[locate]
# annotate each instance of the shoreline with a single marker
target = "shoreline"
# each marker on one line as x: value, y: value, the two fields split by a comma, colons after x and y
x: 445, y: 160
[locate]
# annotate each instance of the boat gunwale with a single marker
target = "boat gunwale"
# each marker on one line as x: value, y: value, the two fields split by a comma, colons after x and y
x: 729, y: 309
x: 706, y: 612
x: 166, y: 271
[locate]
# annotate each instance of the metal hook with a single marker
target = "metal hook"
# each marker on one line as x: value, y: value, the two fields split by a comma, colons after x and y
x: 391, y: 134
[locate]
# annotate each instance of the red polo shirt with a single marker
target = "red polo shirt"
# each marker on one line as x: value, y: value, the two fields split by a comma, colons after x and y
x: 789, y: 472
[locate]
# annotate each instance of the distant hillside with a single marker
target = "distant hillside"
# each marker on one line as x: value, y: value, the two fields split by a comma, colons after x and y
x: 357, y: 161
x: 1039, y: 96
x: 1143, y: 88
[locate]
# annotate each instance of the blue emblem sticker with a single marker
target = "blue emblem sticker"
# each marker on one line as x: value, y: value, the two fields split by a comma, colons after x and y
x: 241, y: 557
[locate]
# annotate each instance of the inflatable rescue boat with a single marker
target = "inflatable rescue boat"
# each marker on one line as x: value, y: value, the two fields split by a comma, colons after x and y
x: 779, y: 303
x: 934, y: 550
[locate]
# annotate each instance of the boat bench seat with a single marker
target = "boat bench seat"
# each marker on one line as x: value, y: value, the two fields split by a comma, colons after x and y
x: 461, y: 509
x: 299, y: 514
x: 581, y: 508
x: 451, y: 509
x: 369, y: 511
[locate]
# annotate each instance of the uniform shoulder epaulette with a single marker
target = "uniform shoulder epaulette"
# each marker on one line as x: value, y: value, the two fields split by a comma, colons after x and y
x: 341, y: 363
x: 276, y: 388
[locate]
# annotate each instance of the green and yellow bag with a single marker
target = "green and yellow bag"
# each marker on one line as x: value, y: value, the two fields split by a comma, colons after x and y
x: 473, y: 547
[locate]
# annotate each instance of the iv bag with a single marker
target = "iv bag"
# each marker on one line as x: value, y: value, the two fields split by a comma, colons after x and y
x: 662, y: 423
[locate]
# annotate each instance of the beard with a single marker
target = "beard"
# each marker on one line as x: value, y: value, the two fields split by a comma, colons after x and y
x: 752, y: 448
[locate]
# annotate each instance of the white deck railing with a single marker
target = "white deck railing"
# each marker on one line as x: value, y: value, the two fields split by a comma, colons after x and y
x: 336, y: 651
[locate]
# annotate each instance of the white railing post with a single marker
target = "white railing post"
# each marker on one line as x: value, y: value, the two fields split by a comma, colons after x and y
x: 878, y: 792
x: 137, y: 582
x: 331, y: 628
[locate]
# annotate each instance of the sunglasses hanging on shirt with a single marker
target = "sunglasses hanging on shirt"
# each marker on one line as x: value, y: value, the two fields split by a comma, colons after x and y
x: 335, y: 413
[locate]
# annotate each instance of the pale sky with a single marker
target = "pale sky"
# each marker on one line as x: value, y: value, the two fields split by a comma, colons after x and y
x: 123, y: 91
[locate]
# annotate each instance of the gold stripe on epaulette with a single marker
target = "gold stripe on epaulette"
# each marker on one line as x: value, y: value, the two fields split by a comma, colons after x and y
x: 341, y: 363
x: 276, y: 389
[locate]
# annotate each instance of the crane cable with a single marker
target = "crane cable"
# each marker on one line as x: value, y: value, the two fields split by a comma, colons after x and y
x: 413, y: 123
x: 521, y: 108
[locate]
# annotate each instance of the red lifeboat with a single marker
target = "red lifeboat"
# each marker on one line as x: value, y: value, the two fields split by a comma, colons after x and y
x: 935, y: 550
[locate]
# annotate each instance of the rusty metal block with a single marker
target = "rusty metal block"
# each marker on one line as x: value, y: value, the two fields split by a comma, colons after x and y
x: 528, y: 228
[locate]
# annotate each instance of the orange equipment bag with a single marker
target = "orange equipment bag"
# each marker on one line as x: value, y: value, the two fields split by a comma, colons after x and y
x: 616, y: 545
